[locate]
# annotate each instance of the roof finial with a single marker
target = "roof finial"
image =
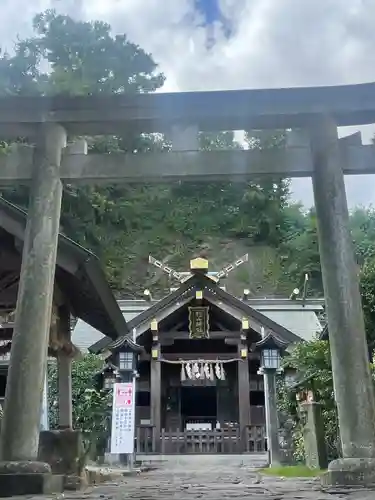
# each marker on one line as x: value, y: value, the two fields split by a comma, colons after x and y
x: 199, y: 265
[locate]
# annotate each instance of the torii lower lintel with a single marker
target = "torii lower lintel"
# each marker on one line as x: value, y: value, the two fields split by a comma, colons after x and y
x: 190, y: 166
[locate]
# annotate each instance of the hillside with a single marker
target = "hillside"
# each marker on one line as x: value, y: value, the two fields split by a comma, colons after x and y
x: 175, y: 222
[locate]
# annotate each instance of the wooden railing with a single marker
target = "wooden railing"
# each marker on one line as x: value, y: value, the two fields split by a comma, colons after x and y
x: 145, y: 439
x: 227, y: 441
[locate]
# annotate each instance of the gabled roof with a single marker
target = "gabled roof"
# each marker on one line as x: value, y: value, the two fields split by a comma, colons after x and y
x: 125, y: 341
x: 149, y: 313
x: 78, y: 274
x: 213, y: 293
x: 270, y: 341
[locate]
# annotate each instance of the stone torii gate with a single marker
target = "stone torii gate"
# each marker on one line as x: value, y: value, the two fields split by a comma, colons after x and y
x: 313, y: 115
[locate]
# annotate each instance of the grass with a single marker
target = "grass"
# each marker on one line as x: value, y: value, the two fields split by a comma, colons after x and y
x: 292, y: 471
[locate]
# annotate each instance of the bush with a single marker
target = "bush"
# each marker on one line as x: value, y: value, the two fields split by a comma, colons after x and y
x: 92, y: 408
x: 311, y: 359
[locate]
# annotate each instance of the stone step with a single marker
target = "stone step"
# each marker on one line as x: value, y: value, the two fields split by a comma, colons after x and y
x: 211, y: 461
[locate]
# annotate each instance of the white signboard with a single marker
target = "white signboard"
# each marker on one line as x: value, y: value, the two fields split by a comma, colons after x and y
x: 199, y: 427
x: 123, y: 418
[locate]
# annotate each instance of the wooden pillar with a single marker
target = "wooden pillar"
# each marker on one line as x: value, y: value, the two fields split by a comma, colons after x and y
x: 354, y: 394
x: 243, y: 386
x: 26, y: 375
x: 155, y: 383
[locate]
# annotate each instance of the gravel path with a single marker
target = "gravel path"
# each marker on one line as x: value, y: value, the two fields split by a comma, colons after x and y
x: 219, y: 484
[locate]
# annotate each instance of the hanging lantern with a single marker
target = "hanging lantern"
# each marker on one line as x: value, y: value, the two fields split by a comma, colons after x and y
x: 270, y: 348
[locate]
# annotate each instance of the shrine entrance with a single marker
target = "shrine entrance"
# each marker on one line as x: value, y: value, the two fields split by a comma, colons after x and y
x: 199, y: 407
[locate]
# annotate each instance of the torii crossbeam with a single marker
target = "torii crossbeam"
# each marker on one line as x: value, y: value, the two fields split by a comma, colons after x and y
x: 317, y: 112
x: 190, y: 166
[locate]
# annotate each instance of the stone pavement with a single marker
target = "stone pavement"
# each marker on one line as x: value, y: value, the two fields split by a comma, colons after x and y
x: 209, y: 484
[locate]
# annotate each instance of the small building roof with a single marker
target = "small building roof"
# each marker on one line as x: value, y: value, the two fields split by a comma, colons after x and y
x: 78, y: 274
x: 123, y: 342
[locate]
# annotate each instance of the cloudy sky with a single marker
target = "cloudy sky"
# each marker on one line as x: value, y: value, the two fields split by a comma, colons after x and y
x: 229, y: 44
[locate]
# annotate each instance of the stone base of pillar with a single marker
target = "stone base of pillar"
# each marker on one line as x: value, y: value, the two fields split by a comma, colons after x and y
x: 63, y: 451
x: 28, y: 478
x: 350, y: 472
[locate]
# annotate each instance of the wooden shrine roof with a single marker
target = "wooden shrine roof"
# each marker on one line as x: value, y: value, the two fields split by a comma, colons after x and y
x: 79, y: 275
x: 215, y: 295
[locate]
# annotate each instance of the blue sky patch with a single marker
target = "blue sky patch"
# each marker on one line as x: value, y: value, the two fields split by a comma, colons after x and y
x: 211, y: 12
x: 210, y: 9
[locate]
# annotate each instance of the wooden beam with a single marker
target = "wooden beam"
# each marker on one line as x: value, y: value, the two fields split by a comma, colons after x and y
x: 232, y: 341
x: 10, y: 279
x: 208, y: 111
x: 236, y: 165
x: 166, y: 342
x: 192, y: 166
x: 155, y: 383
x: 209, y: 356
x: 243, y: 396
x: 180, y: 335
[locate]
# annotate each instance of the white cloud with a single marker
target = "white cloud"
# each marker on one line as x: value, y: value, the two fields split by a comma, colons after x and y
x: 275, y: 43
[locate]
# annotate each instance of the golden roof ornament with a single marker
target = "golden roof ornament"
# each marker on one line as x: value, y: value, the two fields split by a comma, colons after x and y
x: 199, y: 265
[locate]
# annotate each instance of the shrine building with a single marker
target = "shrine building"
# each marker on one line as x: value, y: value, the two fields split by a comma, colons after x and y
x: 198, y: 387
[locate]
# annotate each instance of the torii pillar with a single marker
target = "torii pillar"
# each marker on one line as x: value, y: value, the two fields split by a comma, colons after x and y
x: 353, y: 385
x: 23, y: 400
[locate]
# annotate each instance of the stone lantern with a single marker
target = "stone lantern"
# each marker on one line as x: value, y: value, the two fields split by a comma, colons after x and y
x: 271, y: 349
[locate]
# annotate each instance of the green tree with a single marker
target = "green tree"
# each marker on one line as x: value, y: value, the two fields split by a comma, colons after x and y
x: 265, y: 199
x: 301, y: 250
x: 123, y: 224
x: 91, y: 407
x: 301, y: 247
x: 86, y: 59
x: 362, y: 225
x: 367, y: 280
x: 312, y: 361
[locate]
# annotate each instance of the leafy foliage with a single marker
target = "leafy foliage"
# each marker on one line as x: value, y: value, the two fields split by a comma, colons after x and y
x: 123, y: 224
x: 368, y: 300
x: 91, y: 407
x: 312, y: 361
x: 302, y: 249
